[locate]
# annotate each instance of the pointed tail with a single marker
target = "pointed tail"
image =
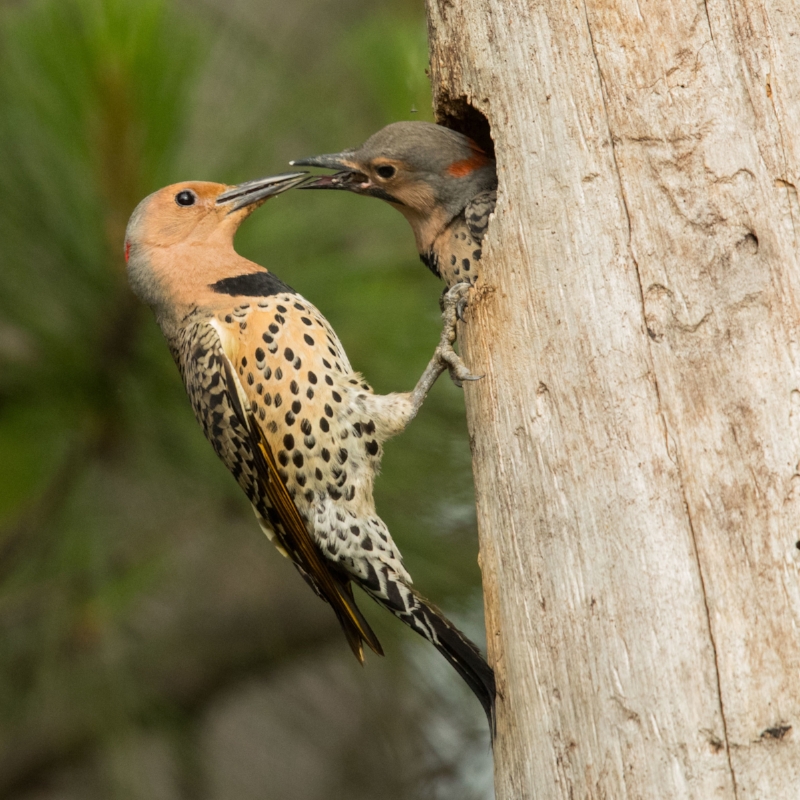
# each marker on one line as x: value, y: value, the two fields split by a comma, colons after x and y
x: 423, y: 617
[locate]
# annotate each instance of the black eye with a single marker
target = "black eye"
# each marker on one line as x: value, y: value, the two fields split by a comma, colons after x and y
x: 185, y: 198
x: 386, y: 171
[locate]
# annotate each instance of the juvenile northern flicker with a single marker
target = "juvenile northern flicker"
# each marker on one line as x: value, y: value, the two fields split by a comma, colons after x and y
x: 273, y: 390
x: 438, y: 179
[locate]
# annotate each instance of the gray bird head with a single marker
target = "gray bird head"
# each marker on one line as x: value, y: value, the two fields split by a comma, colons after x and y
x: 428, y: 172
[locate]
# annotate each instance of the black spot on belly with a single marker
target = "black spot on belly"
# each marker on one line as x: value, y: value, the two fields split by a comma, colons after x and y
x: 369, y: 428
x: 288, y: 354
x: 372, y: 447
x: 308, y: 340
x: 253, y: 284
x: 336, y: 396
x: 329, y: 380
x: 268, y: 372
x: 296, y: 406
x: 318, y: 473
x: 273, y: 327
x: 309, y: 495
x: 326, y: 456
x: 334, y: 492
x: 310, y: 393
x: 366, y: 543
x: 305, y: 321
x: 324, y: 425
x: 312, y: 377
x: 278, y: 374
x: 288, y: 442
x: 289, y: 418
x: 328, y: 410
x: 283, y: 458
x: 297, y: 458
x: 342, y: 456
x: 305, y: 426
x: 278, y: 400
x: 310, y: 442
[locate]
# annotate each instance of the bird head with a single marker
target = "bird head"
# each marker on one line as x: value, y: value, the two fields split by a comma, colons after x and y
x: 184, y: 232
x: 428, y: 172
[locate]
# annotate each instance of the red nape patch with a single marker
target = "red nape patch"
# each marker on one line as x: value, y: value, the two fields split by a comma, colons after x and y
x: 478, y: 159
x: 127, y: 251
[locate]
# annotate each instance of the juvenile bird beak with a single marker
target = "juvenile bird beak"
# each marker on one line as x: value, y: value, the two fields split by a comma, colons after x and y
x: 250, y: 192
x: 331, y: 161
x: 349, y: 176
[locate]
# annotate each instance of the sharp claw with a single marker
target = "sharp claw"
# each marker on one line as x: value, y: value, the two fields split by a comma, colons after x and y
x: 455, y: 366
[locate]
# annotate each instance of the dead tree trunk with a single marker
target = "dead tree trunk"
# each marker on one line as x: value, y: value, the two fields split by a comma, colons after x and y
x: 637, y: 435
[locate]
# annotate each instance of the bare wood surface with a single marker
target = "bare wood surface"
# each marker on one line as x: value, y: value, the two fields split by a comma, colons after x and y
x: 637, y: 435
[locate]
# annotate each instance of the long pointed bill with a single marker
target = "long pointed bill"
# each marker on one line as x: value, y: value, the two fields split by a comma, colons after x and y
x: 341, y: 160
x: 250, y: 192
x: 348, y: 177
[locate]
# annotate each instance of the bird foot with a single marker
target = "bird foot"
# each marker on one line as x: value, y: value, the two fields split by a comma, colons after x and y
x: 454, y: 303
x: 461, y: 302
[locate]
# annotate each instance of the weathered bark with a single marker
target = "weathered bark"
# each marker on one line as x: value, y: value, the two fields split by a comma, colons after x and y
x: 637, y: 435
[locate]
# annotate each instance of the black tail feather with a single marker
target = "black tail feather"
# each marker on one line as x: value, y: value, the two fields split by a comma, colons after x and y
x: 459, y: 651
x: 464, y: 657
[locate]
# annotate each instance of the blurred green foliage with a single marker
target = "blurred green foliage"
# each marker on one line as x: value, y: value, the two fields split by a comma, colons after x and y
x: 138, y: 602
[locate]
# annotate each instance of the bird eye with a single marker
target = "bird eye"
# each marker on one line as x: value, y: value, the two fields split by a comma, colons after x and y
x: 185, y: 198
x: 386, y: 171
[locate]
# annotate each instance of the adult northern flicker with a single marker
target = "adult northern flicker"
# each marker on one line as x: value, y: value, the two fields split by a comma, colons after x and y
x: 273, y: 390
x: 438, y: 179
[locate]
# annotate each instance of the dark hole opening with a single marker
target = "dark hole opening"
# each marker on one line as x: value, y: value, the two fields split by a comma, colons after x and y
x: 459, y: 115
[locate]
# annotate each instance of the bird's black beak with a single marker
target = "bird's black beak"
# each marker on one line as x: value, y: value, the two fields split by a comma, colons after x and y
x: 339, y: 161
x: 348, y: 176
x: 251, y: 192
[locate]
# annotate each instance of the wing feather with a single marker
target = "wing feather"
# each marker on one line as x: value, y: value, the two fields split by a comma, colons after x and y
x: 292, y: 533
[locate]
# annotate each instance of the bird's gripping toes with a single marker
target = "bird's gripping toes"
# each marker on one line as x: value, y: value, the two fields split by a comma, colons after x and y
x: 275, y: 394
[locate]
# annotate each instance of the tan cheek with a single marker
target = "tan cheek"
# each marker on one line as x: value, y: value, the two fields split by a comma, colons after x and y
x: 416, y: 195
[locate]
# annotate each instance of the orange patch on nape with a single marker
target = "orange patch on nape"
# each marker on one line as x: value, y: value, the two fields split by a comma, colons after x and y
x: 478, y: 159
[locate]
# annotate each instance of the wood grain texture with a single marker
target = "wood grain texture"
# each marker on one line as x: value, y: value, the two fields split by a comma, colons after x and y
x: 637, y: 435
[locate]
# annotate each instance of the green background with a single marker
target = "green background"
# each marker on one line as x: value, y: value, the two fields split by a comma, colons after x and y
x: 152, y: 642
